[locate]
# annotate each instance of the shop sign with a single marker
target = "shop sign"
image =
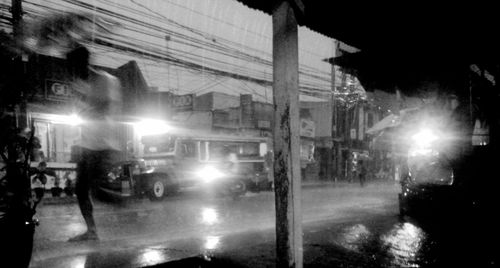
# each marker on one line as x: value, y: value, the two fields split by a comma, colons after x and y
x: 57, y: 90
x: 264, y: 124
x: 353, y: 133
x: 183, y: 102
x: 307, y: 128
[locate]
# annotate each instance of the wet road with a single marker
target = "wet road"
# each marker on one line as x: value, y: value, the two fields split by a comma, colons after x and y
x: 194, y: 216
x: 343, y: 227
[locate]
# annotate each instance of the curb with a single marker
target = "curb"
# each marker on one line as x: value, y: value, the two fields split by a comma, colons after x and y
x: 58, y: 200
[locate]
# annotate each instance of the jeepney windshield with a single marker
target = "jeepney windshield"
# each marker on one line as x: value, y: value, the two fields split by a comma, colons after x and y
x: 159, y: 144
x: 243, y: 150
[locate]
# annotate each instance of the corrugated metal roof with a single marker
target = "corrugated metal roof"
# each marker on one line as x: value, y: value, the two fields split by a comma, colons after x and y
x: 386, y: 26
x: 403, y: 44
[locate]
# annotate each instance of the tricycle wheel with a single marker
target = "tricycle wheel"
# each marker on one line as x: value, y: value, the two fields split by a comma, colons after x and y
x: 238, y: 189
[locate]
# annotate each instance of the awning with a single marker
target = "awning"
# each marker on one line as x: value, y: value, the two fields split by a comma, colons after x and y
x: 389, y: 121
x: 392, y: 120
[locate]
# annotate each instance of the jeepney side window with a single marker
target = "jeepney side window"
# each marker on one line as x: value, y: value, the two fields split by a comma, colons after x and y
x: 249, y: 150
x: 216, y: 150
x: 136, y: 169
x: 188, y: 149
x: 203, y: 150
x: 262, y: 149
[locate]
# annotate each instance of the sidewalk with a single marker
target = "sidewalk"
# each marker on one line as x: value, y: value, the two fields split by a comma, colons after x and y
x: 50, y: 200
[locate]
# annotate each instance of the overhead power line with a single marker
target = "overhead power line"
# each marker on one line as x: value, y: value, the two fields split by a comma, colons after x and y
x: 152, y: 51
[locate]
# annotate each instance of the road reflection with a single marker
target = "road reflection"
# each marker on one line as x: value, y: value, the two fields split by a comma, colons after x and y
x: 209, y: 216
x: 354, y: 237
x: 404, y: 242
x: 151, y: 256
x: 212, y: 242
x: 78, y: 262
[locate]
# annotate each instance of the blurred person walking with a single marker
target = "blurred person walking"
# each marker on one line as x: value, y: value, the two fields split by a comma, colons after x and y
x: 98, y: 101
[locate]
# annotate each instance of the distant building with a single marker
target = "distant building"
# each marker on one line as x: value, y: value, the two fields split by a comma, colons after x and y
x: 229, y: 114
x: 50, y: 108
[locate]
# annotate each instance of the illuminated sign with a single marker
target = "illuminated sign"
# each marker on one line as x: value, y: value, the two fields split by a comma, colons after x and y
x: 57, y: 90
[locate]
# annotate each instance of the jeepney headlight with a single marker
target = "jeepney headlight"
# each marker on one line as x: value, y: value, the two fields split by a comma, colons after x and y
x: 209, y: 173
x: 114, y: 173
x: 111, y: 176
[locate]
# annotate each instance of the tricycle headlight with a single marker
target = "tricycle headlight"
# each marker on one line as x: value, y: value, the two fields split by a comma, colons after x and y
x: 209, y: 173
x: 424, y: 138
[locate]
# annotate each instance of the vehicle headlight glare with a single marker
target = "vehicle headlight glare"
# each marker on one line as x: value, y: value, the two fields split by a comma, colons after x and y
x: 209, y: 173
x: 424, y: 138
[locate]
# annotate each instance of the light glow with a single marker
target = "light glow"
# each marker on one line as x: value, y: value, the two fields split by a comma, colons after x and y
x: 424, y: 138
x: 151, y: 256
x: 212, y: 242
x: 151, y: 127
x: 209, y: 216
x: 73, y: 119
x: 209, y: 173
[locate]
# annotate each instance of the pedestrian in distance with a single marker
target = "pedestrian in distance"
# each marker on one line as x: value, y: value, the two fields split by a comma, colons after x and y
x: 362, y: 172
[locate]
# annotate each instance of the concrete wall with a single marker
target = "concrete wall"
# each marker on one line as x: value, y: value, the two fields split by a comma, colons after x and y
x: 204, y: 102
x: 224, y: 101
x: 215, y: 100
x: 195, y: 119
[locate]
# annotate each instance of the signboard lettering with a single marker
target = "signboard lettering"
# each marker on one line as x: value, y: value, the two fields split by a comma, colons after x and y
x: 57, y: 90
x: 183, y: 102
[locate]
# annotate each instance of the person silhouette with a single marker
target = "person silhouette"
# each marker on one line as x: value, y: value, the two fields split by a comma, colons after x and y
x: 98, y: 101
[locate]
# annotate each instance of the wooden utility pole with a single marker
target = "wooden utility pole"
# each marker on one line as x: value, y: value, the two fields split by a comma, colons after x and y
x: 17, y: 32
x: 332, y: 161
x: 17, y: 14
x: 287, y: 179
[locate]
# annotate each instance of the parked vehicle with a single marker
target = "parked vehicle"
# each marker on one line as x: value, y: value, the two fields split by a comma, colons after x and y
x: 169, y: 164
x: 427, y: 186
x: 134, y: 178
x: 432, y: 183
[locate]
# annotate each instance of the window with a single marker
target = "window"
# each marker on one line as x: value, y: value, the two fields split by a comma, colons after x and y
x: 188, y: 149
x: 204, y: 150
x: 56, y: 141
x: 243, y: 150
x: 370, y: 120
x: 160, y: 144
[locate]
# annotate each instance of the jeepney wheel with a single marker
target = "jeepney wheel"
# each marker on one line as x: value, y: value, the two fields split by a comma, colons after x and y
x: 158, y: 190
x: 238, y: 189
